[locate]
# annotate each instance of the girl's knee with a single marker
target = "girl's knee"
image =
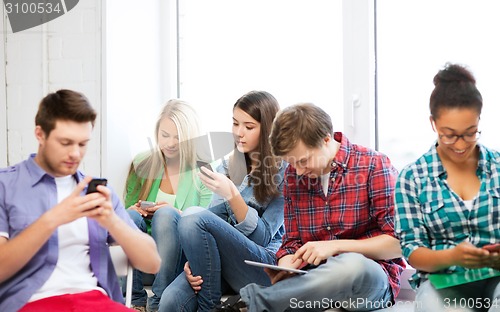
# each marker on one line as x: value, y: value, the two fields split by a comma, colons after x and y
x: 165, y: 218
x: 191, y: 221
x: 136, y: 217
x: 166, y: 213
x: 193, y: 210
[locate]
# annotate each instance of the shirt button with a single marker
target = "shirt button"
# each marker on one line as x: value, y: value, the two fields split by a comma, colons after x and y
x: 334, y: 165
x: 328, y: 228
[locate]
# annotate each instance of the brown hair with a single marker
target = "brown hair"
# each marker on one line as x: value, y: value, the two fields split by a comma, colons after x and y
x: 455, y: 87
x: 63, y: 105
x: 304, y: 122
x: 262, y: 107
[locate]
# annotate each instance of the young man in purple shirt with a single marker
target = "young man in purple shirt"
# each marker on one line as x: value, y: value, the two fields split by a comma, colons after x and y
x: 53, y: 237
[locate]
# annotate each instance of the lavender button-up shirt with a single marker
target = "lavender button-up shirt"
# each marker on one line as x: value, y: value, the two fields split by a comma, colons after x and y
x: 27, y: 192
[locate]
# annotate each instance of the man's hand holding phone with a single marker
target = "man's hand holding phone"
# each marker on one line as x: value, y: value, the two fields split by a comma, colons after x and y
x: 92, y: 186
x: 102, y: 212
x: 77, y: 206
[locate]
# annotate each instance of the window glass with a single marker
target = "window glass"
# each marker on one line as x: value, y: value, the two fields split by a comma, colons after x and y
x: 290, y: 48
x: 414, y: 40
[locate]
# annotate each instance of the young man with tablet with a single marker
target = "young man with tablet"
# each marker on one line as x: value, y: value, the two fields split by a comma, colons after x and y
x: 339, y: 217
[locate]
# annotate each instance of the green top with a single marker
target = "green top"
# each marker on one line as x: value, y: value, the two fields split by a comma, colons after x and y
x: 162, y: 196
x: 189, y: 192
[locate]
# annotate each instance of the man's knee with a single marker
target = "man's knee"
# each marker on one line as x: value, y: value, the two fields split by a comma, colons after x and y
x: 356, y: 269
x: 351, y: 262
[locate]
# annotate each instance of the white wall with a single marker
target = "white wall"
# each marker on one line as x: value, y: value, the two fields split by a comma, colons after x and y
x: 3, y: 96
x: 359, y: 71
x: 64, y: 53
x: 123, y: 56
x: 140, y: 77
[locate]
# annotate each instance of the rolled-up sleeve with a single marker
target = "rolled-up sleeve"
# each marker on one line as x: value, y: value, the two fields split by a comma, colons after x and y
x: 409, y: 219
x: 263, y: 229
x: 249, y: 224
x: 291, y: 238
x: 381, y: 192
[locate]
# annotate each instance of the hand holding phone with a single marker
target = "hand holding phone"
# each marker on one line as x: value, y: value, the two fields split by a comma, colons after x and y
x: 147, y: 204
x: 207, y: 165
x: 92, y: 187
x: 492, y: 247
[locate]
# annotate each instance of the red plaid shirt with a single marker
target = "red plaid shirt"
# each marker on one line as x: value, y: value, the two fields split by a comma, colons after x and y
x: 359, y: 205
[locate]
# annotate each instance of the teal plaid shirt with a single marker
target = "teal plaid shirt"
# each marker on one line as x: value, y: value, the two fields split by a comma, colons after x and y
x: 429, y: 214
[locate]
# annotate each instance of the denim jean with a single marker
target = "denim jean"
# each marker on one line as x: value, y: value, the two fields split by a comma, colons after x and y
x: 165, y: 233
x: 477, y: 296
x: 349, y: 280
x: 215, y: 251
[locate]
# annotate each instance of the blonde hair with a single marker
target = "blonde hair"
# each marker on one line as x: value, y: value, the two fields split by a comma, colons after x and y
x: 186, y: 120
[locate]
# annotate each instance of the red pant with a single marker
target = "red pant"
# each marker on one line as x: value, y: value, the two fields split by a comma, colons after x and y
x: 90, y: 301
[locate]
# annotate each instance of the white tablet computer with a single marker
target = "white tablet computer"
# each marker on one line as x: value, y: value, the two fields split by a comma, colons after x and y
x: 274, y: 267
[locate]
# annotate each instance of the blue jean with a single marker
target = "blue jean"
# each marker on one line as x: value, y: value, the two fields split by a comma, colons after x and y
x: 215, y: 251
x: 477, y: 296
x: 349, y: 280
x: 164, y: 230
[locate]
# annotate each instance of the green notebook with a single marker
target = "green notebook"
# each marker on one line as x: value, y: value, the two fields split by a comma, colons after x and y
x: 440, y: 281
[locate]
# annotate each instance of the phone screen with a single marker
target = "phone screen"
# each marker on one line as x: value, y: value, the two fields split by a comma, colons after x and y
x: 92, y: 187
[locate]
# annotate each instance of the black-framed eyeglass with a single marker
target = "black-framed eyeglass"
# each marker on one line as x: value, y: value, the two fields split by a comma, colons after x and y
x: 453, y: 138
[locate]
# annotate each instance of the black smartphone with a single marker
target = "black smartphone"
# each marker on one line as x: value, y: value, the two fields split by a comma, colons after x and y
x: 92, y: 187
x: 207, y: 165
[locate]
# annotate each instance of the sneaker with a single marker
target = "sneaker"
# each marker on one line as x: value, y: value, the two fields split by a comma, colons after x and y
x: 138, y: 308
x: 232, y: 304
x: 153, y: 304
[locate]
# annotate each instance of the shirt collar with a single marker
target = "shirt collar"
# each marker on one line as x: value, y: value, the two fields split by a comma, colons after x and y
x: 438, y: 169
x: 485, y: 158
x: 341, y: 159
x: 37, y: 173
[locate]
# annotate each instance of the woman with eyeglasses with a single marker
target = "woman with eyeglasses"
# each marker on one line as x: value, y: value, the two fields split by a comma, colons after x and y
x: 448, y: 203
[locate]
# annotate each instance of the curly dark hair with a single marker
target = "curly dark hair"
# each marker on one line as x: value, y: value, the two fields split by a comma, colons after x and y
x: 454, y: 87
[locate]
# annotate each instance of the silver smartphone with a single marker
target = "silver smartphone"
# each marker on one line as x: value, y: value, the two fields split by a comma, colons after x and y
x: 147, y: 204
